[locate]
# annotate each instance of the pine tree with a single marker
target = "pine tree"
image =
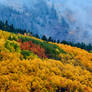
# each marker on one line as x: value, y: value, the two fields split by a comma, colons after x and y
x: 44, y: 38
x: 37, y: 36
x: 50, y: 39
x: 58, y: 41
x: 6, y: 23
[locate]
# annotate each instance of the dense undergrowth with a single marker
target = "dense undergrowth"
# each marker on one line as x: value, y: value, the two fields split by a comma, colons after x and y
x: 28, y: 64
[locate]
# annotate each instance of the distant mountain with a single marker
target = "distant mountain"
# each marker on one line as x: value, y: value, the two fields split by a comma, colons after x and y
x: 64, y: 20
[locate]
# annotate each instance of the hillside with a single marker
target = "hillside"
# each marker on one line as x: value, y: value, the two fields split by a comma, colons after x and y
x: 28, y: 64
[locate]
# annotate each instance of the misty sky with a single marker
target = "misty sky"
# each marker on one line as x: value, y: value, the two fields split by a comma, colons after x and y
x: 81, y: 9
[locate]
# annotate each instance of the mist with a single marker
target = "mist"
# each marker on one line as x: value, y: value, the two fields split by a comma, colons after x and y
x: 77, y: 13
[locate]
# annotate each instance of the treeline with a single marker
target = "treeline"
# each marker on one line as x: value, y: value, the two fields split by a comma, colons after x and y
x: 81, y: 45
x: 10, y: 28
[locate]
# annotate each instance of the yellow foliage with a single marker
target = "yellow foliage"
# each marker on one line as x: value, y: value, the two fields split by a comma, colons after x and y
x: 78, y: 56
x: 73, y: 73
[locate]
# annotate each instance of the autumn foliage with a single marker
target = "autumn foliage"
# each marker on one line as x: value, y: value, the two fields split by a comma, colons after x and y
x: 34, y: 48
x: 71, y: 73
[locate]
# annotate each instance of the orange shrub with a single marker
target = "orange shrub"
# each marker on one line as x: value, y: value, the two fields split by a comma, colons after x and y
x: 36, y: 49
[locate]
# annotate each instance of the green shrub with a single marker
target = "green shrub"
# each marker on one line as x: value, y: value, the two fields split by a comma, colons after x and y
x: 28, y: 54
x: 12, y: 46
x: 13, y: 37
x: 52, y: 50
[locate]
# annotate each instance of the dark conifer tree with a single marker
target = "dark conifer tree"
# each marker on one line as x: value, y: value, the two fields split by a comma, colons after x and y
x: 6, y: 23
x: 58, y: 41
x: 37, y: 36
x: 44, y: 38
x: 50, y: 39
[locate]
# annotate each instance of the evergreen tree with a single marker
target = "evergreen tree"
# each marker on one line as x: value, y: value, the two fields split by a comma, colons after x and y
x: 64, y: 42
x: 54, y: 41
x: 50, y: 39
x: 6, y: 23
x: 44, y: 38
x: 58, y: 41
x: 37, y: 36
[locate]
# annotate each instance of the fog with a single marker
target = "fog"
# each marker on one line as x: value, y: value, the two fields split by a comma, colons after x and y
x: 76, y: 12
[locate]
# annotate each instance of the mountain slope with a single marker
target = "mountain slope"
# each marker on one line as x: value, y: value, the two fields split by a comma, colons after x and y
x: 31, y: 73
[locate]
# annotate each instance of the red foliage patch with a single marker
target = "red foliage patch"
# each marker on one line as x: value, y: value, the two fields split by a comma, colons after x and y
x: 36, y: 49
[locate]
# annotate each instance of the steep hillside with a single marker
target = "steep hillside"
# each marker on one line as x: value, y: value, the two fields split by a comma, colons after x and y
x: 28, y: 64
